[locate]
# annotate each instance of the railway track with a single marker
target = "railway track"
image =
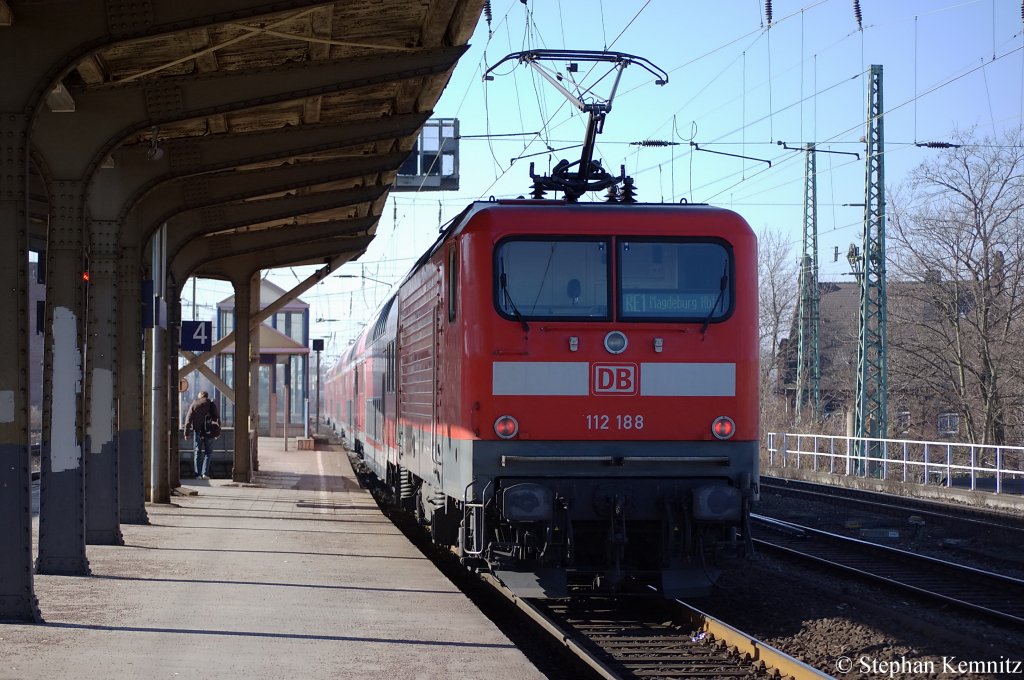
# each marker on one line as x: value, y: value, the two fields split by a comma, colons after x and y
x: 899, y: 506
x: 992, y: 595
x: 652, y: 638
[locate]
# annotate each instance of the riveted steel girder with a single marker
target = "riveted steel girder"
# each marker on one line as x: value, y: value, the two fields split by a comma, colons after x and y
x: 196, y: 223
x: 191, y: 157
x: 76, y: 144
x: 316, y: 253
x: 207, y: 249
x: 46, y: 39
x: 201, y: 191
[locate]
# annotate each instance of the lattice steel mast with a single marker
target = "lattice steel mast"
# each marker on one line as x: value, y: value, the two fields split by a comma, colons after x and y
x: 808, y: 367
x: 870, y: 418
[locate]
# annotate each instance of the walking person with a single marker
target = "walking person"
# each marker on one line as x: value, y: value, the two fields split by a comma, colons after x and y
x: 203, y: 421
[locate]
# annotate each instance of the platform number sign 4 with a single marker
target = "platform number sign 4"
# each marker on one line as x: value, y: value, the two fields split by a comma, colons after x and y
x: 196, y: 336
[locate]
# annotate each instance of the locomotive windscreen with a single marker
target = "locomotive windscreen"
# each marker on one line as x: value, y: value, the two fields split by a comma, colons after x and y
x: 552, y: 278
x: 659, y: 279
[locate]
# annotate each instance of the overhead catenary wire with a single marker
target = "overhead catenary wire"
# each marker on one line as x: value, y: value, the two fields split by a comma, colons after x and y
x: 776, y: 22
x: 552, y: 122
x: 944, y: 83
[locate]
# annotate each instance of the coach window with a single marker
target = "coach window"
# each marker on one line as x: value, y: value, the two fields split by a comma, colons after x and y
x: 453, y: 282
x: 552, y: 279
x: 662, y: 280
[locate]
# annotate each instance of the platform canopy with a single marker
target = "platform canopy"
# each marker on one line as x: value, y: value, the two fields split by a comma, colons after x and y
x: 337, y: 96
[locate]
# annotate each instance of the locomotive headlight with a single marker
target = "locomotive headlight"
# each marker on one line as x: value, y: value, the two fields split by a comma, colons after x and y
x: 615, y: 342
x: 723, y: 427
x: 506, y: 427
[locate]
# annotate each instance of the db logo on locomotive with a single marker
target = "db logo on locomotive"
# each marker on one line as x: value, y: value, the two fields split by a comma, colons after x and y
x: 615, y: 379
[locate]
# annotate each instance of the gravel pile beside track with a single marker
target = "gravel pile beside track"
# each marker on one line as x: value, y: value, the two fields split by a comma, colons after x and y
x: 821, y: 619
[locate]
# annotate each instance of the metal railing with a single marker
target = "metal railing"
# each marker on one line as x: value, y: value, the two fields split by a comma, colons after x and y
x: 979, y: 467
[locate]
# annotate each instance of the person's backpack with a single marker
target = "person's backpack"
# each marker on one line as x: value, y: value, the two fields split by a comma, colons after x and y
x: 211, y: 428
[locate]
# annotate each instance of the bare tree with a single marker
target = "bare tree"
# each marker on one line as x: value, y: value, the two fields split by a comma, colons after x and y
x: 777, y: 293
x: 957, y: 297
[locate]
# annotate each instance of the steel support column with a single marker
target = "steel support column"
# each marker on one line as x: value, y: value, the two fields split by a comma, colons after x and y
x: 173, y: 395
x: 157, y: 370
x: 242, y: 471
x: 62, y: 479
x: 255, y: 304
x: 17, y: 594
x: 102, y: 501
x: 131, y: 476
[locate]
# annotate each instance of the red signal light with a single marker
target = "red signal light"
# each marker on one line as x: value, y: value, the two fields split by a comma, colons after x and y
x: 723, y: 427
x: 85, y: 276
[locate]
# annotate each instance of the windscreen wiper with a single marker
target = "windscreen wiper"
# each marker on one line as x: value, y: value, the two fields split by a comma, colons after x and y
x: 721, y: 293
x: 517, y: 315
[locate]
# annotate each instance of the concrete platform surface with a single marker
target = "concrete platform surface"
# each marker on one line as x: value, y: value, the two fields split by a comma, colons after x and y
x: 298, y: 576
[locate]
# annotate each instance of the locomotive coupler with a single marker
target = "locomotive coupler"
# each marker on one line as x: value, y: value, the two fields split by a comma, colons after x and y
x: 617, y: 540
x: 569, y: 539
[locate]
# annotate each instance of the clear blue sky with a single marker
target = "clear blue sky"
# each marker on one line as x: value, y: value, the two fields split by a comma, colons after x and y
x: 735, y: 85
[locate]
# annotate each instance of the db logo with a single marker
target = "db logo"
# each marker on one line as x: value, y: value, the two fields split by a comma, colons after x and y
x: 614, y: 379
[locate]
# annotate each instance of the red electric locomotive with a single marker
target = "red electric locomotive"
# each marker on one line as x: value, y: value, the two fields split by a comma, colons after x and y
x: 567, y: 392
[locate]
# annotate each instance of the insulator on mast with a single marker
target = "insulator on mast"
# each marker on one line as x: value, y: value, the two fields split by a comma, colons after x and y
x: 859, y: 17
x: 768, y: 12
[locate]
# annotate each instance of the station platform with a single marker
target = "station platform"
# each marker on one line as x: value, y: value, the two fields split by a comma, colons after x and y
x: 298, y: 575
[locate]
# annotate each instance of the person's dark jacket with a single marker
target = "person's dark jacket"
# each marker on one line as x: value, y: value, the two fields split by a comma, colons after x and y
x: 195, y: 419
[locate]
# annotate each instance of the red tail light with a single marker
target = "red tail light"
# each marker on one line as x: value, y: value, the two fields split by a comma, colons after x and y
x: 506, y: 427
x: 723, y: 427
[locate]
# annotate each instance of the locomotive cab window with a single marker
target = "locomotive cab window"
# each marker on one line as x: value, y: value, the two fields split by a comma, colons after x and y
x: 552, y: 279
x: 674, y: 280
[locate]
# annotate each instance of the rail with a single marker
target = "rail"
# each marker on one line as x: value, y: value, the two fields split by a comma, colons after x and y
x: 621, y: 638
x: 979, y: 467
x: 991, y: 594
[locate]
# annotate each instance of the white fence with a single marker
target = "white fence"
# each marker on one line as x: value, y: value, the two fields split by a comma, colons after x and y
x: 996, y: 469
